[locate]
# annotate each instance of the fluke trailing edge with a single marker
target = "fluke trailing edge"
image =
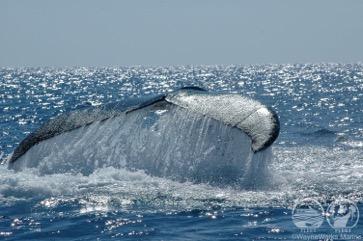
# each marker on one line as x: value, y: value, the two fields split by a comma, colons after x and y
x: 185, y: 132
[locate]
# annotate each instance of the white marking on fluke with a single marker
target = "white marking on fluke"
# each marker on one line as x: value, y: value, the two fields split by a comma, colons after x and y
x: 255, y: 119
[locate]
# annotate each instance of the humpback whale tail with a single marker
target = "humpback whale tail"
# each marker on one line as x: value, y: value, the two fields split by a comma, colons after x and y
x: 186, y: 135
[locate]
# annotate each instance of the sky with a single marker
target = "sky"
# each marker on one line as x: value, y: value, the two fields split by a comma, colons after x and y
x: 41, y: 33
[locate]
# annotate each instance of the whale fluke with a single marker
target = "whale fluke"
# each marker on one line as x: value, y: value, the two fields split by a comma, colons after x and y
x: 188, y: 134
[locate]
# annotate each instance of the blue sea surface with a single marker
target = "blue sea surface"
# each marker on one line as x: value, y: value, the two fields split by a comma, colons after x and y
x: 318, y: 156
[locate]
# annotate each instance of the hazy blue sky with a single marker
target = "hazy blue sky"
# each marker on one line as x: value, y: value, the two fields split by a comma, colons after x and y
x: 168, y: 32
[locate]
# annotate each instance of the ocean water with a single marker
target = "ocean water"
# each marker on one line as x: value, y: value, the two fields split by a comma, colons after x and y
x: 317, y: 161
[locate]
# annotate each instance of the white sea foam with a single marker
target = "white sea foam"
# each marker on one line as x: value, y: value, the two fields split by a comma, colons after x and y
x: 295, y: 172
